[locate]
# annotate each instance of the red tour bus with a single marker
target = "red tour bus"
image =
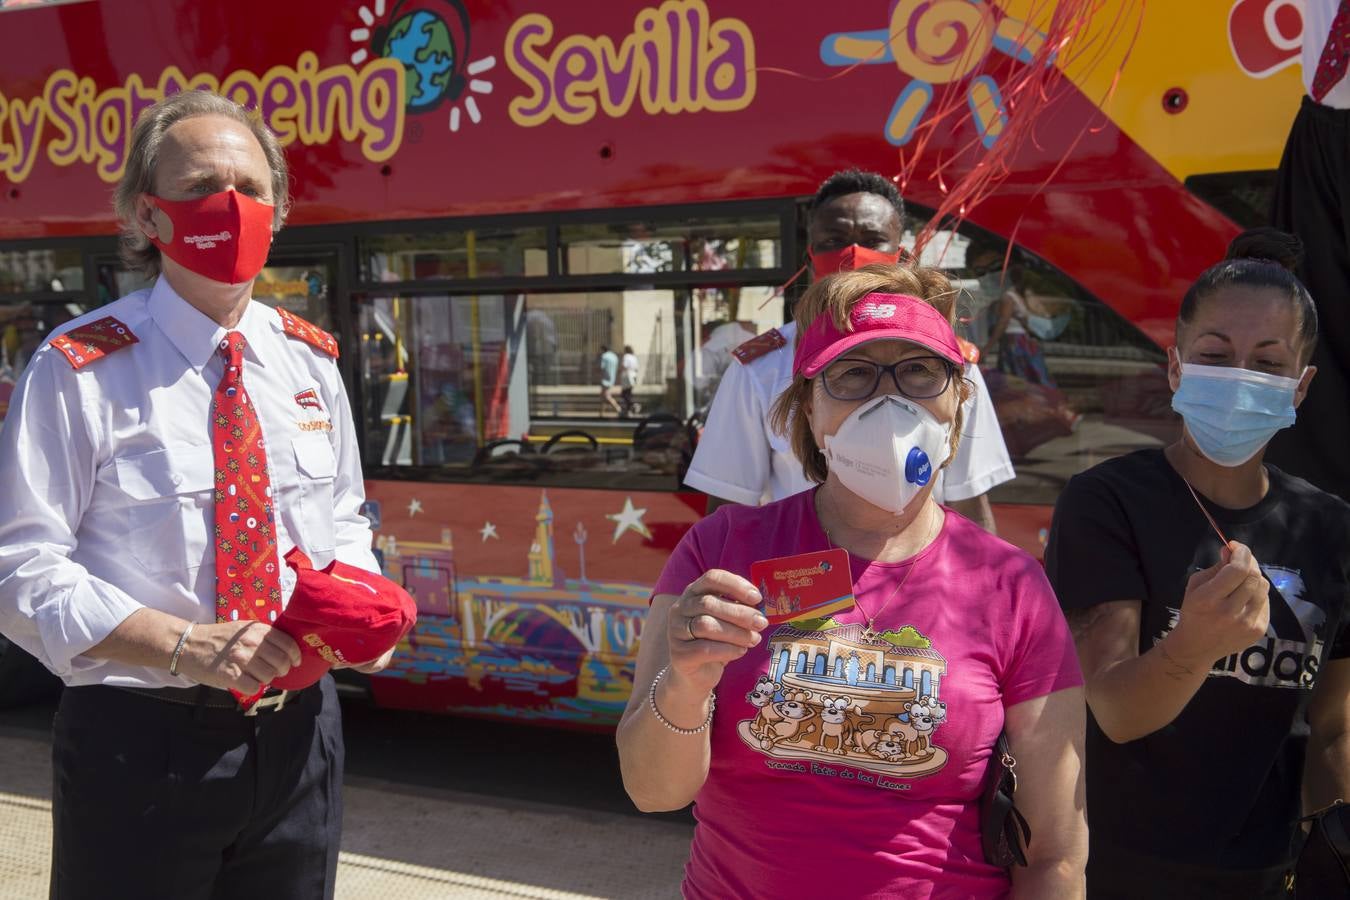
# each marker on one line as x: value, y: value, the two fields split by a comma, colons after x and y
x: 488, y: 193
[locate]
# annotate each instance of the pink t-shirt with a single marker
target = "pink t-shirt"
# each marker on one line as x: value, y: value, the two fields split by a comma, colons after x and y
x: 849, y: 765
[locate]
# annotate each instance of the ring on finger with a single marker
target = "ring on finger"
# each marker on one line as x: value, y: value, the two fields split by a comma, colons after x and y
x: 689, y: 622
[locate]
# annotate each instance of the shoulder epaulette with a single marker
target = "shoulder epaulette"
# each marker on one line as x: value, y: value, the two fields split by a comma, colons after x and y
x: 969, y: 351
x: 93, y: 341
x: 298, y: 328
x: 759, y: 345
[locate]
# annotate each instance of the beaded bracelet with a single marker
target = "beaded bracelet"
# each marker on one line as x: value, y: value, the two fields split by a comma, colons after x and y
x: 178, y: 651
x: 651, y: 701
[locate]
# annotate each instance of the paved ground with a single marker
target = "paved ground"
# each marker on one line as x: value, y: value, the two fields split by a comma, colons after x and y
x: 436, y: 807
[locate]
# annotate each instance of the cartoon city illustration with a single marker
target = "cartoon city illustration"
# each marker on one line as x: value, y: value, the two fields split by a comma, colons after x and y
x: 839, y: 693
x: 536, y: 646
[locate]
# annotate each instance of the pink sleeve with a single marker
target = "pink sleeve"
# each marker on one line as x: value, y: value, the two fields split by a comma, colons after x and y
x: 689, y: 559
x: 1041, y: 658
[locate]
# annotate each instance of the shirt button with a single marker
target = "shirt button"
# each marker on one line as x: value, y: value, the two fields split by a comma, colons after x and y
x: 176, y: 479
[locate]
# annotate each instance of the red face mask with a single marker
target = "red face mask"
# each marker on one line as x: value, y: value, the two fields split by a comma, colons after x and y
x: 854, y: 256
x: 224, y: 237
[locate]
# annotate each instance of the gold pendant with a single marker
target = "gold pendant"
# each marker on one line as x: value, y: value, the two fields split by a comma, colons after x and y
x: 868, y: 634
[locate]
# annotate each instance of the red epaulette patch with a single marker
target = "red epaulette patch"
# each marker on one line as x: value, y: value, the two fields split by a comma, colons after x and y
x: 969, y: 351
x: 313, y: 335
x: 94, y: 341
x: 758, y: 346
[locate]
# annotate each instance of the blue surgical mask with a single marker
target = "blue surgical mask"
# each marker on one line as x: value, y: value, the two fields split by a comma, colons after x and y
x: 1232, y: 413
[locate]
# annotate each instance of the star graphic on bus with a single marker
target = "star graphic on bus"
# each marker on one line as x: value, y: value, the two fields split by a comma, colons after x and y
x: 628, y: 519
x: 434, y: 52
x: 414, y: 507
x: 934, y: 44
x: 488, y: 531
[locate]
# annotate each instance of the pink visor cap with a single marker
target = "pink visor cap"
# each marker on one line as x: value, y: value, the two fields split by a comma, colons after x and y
x: 876, y: 317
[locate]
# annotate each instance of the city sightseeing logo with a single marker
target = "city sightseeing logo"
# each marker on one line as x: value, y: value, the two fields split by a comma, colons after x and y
x: 432, y: 40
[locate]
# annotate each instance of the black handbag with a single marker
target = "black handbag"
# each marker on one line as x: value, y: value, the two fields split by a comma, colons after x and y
x: 1004, y: 833
x: 1323, y: 869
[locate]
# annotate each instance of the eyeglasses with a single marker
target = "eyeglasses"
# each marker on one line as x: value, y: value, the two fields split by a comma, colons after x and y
x: 918, y: 378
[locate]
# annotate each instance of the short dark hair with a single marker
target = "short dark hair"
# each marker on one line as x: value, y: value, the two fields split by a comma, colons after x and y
x: 856, y: 181
x: 1254, y: 267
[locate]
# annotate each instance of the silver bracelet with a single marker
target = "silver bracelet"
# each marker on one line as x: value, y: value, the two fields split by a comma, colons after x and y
x: 178, y: 651
x: 651, y: 701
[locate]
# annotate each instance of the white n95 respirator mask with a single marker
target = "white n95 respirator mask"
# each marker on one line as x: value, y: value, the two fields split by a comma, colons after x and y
x: 887, y: 451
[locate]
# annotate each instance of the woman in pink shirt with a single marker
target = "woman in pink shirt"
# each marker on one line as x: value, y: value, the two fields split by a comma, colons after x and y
x: 845, y: 754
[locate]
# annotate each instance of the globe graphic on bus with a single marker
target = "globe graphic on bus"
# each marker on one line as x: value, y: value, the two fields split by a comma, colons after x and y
x: 422, y: 42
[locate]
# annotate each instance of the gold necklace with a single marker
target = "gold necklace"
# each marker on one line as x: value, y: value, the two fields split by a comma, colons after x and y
x: 868, y: 632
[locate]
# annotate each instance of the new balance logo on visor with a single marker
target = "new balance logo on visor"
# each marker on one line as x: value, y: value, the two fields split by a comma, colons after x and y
x: 875, y: 311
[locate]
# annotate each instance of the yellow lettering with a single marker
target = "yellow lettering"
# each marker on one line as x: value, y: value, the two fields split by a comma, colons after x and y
x: 25, y: 124
x: 526, y: 34
x: 57, y: 94
x: 6, y: 151
x: 302, y: 104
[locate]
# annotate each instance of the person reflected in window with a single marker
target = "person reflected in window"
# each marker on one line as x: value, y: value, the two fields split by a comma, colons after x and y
x: 628, y: 379
x: 609, y: 376
x: 1024, y: 318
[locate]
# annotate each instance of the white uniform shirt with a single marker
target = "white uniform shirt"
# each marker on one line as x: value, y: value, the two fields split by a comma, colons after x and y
x: 741, y: 458
x: 106, y: 478
x: 1317, y: 18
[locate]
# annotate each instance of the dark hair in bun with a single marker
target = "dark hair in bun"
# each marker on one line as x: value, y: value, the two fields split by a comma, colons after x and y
x: 1259, y: 258
x: 1266, y: 243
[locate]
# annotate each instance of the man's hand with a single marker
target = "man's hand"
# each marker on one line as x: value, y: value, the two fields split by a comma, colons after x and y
x: 1226, y: 609
x: 239, y: 656
x: 375, y: 665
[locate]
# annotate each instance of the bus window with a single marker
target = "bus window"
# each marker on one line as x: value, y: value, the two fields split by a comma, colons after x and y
x: 496, y: 252
x: 507, y: 387
x: 430, y: 365
x: 116, y: 281
x: 1072, y: 382
x: 23, y: 328
x: 678, y: 245
x: 45, y: 270
x: 301, y: 284
x: 1244, y: 197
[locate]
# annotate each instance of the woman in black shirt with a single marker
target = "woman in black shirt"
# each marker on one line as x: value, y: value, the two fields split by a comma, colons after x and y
x: 1208, y: 597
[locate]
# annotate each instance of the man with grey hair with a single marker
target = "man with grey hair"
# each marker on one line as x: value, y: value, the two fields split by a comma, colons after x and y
x: 160, y: 457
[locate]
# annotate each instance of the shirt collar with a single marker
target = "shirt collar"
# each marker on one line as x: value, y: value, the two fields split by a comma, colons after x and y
x: 196, y: 336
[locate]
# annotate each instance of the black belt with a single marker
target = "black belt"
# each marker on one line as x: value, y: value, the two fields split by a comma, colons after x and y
x: 272, y: 700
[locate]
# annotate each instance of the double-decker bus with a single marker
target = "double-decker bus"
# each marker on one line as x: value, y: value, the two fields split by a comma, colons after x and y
x: 488, y: 194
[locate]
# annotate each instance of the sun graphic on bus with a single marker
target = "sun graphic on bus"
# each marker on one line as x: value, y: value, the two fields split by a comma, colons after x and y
x: 434, y: 51
x: 938, y: 42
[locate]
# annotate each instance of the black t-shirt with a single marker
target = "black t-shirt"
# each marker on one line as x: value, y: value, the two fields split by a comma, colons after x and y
x: 1219, y: 787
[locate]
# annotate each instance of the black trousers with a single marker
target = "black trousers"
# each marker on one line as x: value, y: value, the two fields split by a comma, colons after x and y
x: 1312, y: 200
x: 153, y: 799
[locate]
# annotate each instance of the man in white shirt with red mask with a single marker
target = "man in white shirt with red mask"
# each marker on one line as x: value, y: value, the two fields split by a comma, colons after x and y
x: 160, y: 457
x: 856, y: 218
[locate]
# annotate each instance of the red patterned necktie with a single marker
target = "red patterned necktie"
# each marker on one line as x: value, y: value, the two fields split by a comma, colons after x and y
x: 1335, y: 54
x: 248, y: 584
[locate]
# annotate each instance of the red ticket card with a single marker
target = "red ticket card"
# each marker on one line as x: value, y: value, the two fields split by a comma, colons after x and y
x: 808, y: 585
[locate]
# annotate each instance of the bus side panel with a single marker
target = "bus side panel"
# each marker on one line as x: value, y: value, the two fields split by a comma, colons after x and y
x: 530, y: 601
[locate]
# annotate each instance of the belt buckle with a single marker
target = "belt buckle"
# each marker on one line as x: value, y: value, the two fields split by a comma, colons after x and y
x: 274, y: 702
